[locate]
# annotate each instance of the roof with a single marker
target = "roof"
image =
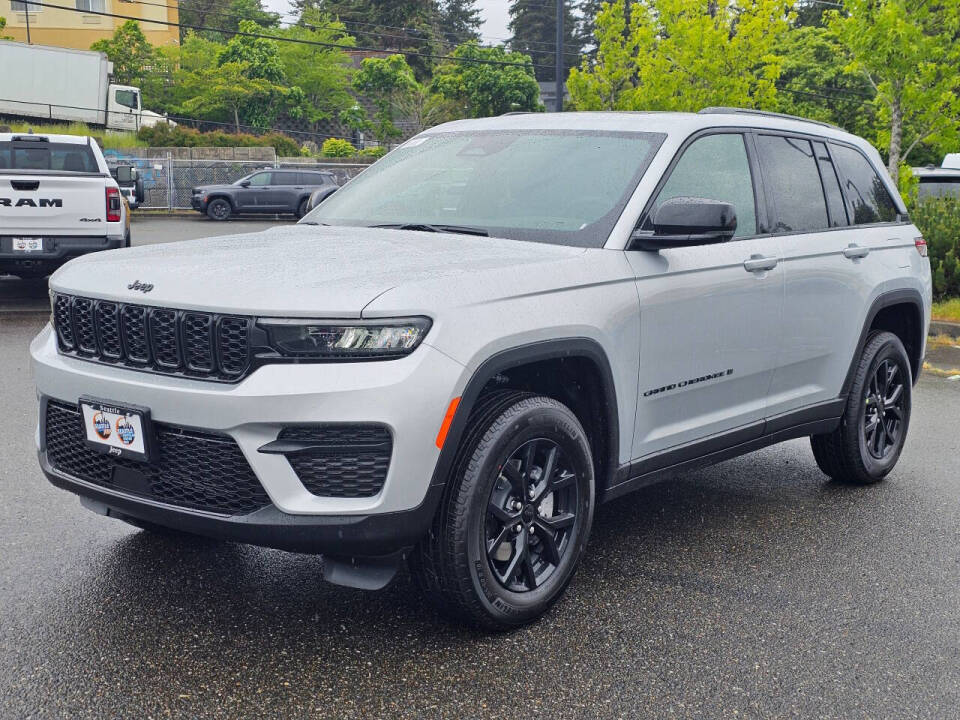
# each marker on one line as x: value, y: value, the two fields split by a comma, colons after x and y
x: 671, y: 123
x: 932, y: 171
x: 69, y: 139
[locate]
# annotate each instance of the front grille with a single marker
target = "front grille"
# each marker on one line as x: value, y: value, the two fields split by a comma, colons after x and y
x: 199, y: 345
x: 352, y: 462
x: 194, y: 470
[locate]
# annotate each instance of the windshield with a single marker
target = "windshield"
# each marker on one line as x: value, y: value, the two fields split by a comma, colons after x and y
x: 557, y: 187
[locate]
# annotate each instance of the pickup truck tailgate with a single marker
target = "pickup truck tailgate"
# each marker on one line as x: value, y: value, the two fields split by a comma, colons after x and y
x: 40, y: 204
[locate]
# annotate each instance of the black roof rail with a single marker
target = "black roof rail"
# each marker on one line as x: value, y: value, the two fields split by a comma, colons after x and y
x: 516, y: 112
x: 764, y: 113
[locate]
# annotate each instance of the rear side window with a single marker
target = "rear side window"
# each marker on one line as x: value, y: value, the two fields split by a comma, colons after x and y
x: 311, y: 178
x: 284, y: 178
x: 934, y: 187
x: 59, y: 157
x: 867, y: 198
x: 714, y: 167
x: 792, y: 184
x: 831, y: 186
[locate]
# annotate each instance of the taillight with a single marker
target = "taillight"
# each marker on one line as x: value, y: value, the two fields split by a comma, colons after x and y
x: 113, y: 204
x: 921, y: 246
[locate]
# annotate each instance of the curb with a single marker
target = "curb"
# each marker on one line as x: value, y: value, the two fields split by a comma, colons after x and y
x: 942, y: 327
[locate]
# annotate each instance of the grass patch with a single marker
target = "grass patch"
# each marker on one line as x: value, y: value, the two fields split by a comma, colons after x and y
x: 107, y: 139
x: 948, y: 310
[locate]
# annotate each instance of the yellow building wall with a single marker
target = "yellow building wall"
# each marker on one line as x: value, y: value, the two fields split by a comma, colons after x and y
x: 79, y: 30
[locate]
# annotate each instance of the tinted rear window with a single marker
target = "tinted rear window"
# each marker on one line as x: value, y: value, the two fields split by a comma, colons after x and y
x: 939, y: 187
x: 60, y: 157
x: 792, y: 182
x: 867, y: 198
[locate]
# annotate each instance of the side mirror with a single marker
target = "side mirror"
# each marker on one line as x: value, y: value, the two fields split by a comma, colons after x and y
x: 688, y: 221
x: 245, y: 183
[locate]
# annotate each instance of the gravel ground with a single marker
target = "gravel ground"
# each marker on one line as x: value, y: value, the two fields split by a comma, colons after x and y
x: 755, y: 588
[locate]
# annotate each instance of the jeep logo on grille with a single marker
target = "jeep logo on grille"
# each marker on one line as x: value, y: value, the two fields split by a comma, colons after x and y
x: 142, y: 287
x: 30, y: 202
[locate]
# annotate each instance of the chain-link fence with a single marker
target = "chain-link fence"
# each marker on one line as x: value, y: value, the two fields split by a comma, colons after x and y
x: 167, y: 181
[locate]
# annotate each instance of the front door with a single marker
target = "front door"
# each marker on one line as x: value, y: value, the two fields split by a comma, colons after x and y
x: 710, y: 315
x: 249, y: 197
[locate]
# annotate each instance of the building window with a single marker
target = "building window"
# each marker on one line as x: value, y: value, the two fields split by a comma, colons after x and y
x: 21, y: 6
x: 91, y: 5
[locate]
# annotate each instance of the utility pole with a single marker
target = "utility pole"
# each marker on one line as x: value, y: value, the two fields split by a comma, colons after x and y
x: 26, y: 6
x: 559, y: 102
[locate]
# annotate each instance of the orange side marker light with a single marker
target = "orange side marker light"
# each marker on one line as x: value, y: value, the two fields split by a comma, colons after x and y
x: 447, y: 420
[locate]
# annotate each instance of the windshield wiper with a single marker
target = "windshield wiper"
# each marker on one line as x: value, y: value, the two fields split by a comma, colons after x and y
x: 312, y: 222
x: 424, y: 227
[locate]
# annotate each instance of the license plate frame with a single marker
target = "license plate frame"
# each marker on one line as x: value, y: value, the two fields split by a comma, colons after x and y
x: 27, y: 244
x: 119, y: 430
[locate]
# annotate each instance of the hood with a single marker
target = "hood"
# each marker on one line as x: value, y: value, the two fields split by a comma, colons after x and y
x: 292, y: 271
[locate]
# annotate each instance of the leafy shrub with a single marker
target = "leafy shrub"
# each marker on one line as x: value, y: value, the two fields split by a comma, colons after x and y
x: 166, y: 136
x: 335, y: 147
x: 939, y: 221
x: 375, y: 151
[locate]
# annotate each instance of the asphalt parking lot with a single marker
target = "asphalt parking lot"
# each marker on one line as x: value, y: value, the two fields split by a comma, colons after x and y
x: 755, y: 588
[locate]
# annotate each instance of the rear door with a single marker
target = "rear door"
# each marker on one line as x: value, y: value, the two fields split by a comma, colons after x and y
x: 710, y: 315
x: 51, y: 189
x: 282, y: 193
x: 835, y: 216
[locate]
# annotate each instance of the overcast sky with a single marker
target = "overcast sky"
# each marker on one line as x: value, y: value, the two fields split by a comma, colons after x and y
x: 494, y: 15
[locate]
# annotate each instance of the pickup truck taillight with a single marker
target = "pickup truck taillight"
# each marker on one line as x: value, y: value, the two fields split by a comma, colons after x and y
x: 921, y: 246
x: 113, y: 204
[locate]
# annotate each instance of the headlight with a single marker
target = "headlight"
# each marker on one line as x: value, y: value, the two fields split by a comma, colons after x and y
x: 347, y: 339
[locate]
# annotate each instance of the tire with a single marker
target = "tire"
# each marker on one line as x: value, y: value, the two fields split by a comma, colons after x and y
x: 867, y: 445
x: 126, y: 240
x: 219, y: 209
x: 474, y: 564
x: 302, y: 208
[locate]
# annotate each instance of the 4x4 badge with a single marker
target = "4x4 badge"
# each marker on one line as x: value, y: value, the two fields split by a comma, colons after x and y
x: 142, y: 287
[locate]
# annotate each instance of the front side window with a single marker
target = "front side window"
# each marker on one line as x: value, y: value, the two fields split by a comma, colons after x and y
x: 792, y: 184
x: 259, y: 180
x: 559, y: 187
x: 127, y: 98
x: 867, y: 198
x: 714, y: 167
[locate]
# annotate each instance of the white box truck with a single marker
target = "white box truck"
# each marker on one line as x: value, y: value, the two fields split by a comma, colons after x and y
x: 51, y: 83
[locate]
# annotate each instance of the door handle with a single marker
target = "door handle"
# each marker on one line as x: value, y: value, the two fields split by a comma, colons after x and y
x: 759, y: 263
x: 855, y: 251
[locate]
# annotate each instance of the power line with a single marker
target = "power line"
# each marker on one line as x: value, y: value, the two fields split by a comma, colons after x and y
x: 261, y: 36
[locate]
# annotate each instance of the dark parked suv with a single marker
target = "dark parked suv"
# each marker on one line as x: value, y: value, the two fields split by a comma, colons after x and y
x: 265, y: 191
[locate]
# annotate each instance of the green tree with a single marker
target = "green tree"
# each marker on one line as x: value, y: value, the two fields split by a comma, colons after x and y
x: 260, y: 56
x: 130, y: 52
x: 222, y: 17
x: 226, y: 88
x: 460, y: 20
x: 392, y: 25
x: 390, y: 84
x: 483, y: 90
x: 3, y: 24
x: 814, y: 83
x: 533, y: 28
x: 908, y: 51
x: 323, y: 73
x: 683, y: 55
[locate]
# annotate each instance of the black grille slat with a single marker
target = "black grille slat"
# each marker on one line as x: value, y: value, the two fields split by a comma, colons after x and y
x: 83, y: 326
x: 197, y: 342
x: 199, y: 471
x: 107, y: 316
x: 344, y: 468
x: 133, y: 331
x: 63, y: 322
x: 162, y: 340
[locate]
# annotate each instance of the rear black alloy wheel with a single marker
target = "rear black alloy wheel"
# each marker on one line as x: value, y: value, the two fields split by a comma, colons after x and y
x: 530, y: 515
x: 219, y: 209
x: 867, y: 444
x: 515, y: 516
x: 883, y: 417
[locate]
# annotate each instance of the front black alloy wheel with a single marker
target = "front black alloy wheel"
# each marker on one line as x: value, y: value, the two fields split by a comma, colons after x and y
x: 530, y: 515
x: 219, y: 209
x: 871, y: 435
x: 515, y: 516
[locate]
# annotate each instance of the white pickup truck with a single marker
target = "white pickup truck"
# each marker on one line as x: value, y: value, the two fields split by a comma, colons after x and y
x: 57, y: 201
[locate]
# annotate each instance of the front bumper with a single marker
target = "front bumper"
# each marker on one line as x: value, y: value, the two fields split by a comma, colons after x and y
x: 409, y: 396
x: 197, y: 203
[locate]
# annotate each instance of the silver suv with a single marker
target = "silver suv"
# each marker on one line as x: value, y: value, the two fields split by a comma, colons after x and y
x: 499, y: 325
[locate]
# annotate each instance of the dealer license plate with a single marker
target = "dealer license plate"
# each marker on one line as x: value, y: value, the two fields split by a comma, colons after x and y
x: 117, y: 430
